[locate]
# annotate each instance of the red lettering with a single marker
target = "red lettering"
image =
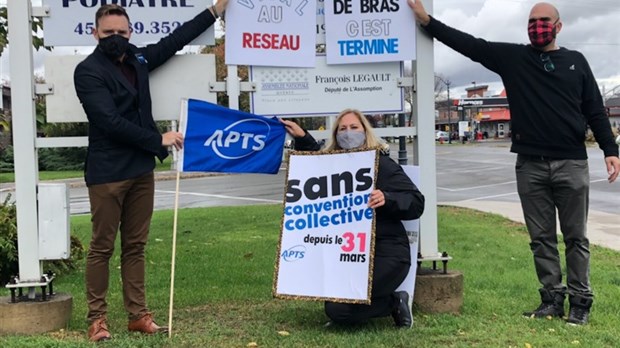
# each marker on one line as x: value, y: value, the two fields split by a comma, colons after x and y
x: 266, y: 43
x: 247, y: 37
x: 271, y: 41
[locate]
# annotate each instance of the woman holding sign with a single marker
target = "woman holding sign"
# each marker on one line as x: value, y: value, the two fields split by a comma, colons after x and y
x: 394, y: 198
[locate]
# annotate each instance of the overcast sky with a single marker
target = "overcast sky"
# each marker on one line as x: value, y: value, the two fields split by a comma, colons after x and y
x: 589, y: 26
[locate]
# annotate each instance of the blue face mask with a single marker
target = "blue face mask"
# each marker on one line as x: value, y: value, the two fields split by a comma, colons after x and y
x: 350, y: 139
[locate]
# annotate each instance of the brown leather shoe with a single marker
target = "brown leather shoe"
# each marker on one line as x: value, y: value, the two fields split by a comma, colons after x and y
x: 146, y: 325
x: 98, y: 330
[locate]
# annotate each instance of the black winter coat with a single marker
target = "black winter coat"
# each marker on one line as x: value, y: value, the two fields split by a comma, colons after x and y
x: 123, y: 139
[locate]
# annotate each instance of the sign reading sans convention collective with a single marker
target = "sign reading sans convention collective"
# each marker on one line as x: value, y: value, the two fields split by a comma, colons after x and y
x: 71, y: 22
x: 326, y: 245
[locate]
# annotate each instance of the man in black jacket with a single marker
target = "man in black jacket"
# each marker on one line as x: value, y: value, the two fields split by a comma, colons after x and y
x: 553, y: 97
x: 112, y: 84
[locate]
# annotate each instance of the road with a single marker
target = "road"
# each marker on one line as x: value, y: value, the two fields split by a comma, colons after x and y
x: 472, y: 172
x: 465, y: 173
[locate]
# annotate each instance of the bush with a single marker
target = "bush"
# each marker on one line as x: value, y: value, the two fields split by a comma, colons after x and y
x: 9, y: 265
x: 6, y: 159
x: 62, y: 158
x: 51, y: 159
x: 8, y: 241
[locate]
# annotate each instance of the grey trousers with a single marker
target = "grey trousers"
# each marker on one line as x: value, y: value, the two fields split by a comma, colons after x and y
x: 545, y: 185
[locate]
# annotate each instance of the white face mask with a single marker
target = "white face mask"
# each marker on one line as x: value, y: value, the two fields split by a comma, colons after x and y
x: 350, y: 139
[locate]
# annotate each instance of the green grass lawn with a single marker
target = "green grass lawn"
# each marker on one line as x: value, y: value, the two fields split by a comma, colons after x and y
x: 224, y: 274
x: 58, y: 175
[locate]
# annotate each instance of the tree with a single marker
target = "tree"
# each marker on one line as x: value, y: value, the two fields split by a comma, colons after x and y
x: 221, y: 72
x: 37, y: 26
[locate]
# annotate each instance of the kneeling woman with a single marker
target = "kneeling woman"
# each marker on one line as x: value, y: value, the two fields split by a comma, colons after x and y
x: 395, y: 198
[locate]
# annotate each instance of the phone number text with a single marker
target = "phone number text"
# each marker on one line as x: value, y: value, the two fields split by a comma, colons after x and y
x: 153, y: 27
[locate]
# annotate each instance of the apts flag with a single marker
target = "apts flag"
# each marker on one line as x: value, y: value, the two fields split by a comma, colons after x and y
x: 218, y: 139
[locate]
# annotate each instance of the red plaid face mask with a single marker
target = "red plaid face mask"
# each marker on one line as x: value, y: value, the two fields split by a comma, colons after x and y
x: 541, y: 32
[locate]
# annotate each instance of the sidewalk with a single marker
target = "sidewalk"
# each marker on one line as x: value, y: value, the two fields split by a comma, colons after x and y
x: 603, y: 228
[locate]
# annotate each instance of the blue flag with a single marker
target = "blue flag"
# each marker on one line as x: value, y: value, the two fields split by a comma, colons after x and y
x: 218, y: 139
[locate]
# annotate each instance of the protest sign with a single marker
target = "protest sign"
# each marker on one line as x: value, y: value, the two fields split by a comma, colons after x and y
x: 326, y: 245
x: 368, y: 31
x: 274, y: 33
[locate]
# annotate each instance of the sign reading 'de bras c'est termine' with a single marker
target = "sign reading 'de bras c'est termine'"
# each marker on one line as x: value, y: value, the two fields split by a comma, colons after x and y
x: 364, y: 31
x: 71, y: 22
x: 327, y: 235
x: 271, y: 33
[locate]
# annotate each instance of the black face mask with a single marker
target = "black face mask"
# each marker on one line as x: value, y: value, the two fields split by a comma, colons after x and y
x: 114, y: 46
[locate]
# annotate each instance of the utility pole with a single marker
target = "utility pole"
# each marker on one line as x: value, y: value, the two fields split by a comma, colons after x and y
x: 449, y: 112
x: 448, y: 83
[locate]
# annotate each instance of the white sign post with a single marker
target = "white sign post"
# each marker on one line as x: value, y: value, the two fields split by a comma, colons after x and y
x: 327, y: 236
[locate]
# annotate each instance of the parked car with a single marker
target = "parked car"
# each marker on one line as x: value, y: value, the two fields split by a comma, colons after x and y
x: 441, y: 135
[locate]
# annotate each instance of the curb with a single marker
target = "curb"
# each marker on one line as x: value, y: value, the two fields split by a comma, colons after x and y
x: 159, y: 176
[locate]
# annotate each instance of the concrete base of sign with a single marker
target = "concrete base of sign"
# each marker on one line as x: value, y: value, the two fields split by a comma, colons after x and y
x: 436, y: 292
x: 33, y: 317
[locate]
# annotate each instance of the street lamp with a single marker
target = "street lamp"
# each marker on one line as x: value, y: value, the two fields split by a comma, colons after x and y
x: 448, y: 83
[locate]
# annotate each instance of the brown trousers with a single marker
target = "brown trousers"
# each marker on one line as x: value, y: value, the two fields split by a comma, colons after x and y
x: 126, y: 205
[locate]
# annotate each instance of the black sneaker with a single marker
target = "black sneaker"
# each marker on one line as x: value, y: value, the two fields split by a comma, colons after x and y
x: 578, y: 315
x: 401, y: 312
x: 546, y: 310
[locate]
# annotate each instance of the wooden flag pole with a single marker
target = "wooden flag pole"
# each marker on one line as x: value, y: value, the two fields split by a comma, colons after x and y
x: 174, y: 251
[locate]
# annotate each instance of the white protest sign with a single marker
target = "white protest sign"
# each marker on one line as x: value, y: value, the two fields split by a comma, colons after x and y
x: 71, y: 22
x: 327, y: 235
x: 327, y: 89
x: 320, y: 22
x: 271, y: 33
x: 364, y: 31
x: 413, y: 233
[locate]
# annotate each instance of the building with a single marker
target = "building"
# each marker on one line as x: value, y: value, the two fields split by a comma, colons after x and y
x: 489, y: 115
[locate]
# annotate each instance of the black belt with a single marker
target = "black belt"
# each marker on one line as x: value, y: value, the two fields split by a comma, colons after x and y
x: 540, y: 158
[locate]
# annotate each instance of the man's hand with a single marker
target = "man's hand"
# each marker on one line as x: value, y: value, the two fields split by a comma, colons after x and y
x: 293, y: 128
x: 220, y: 7
x: 172, y: 139
x: 419, y: 12
x: 613, y: 168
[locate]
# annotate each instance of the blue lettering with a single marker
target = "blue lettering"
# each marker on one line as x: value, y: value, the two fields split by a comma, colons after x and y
x: 324, y: 221
x: 368, y: 47
x: 288, y: 224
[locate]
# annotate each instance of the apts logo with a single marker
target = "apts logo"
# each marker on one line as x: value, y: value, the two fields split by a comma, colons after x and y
x: 294, y: 253
x: 240, y: 139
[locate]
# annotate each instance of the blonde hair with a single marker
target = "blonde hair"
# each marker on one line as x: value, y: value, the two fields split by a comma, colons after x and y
x: 372, y: 141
